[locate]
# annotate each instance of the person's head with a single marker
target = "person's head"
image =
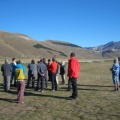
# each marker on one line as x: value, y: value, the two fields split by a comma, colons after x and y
x: 32, y: 61
x: 49, y: 60
x: 115, y: 60
x: 41, y: 60
x: 6, y: 60
x: 53, y: 59
x: 72, y: 54
x: 13, y: 59
x: 38, y: 62
x: 44, y: 60
x: 62, y: 63
x: 18, y: 62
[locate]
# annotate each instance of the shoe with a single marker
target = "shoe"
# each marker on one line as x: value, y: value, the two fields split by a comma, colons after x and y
x: 74, y: 98
x: 71, y: 97
x: 53, y: 90
x: 42, y: 90
x: 21, y: 103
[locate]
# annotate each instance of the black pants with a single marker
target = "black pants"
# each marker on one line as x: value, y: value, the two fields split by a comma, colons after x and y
x: 69, y: 84
x: 74, y: 86
x: 29, y: 79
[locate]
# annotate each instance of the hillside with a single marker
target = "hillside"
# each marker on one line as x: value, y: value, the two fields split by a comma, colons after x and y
x: 20, y: 45
x: 111, y: 49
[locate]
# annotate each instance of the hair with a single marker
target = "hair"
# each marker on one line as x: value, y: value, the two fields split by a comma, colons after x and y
x: 33, y: 61
x: 13, y: 59
x: 41, y: 60
x: 72, y: 54
x: 116, y: 60
x: 6, y: 60
x: 44, y: 59
x: 53, y: 59
x: 38, y: 62
x: 18, y: 62
x: 49, y: 60
x: 62, y: 63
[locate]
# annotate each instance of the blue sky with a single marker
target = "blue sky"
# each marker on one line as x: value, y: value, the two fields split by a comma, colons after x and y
x: 86, y: 23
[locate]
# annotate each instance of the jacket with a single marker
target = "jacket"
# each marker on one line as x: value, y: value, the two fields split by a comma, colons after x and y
x: 20, y: 72
x: 73, y: 68
x: 6, y: 69
x: 42, y: 69
x: 115, y: 69
x: 32, y: 69
x: 53, y: 67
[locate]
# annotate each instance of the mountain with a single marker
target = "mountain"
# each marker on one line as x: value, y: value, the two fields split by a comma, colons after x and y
x: 23, y: 46
x: 111, y: 49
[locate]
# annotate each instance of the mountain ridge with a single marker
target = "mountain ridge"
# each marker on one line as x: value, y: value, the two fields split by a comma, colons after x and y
x: 21, y: 45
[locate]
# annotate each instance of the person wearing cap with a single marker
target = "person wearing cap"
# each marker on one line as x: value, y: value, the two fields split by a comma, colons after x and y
x: 73, y: 73
x: 6, y: 72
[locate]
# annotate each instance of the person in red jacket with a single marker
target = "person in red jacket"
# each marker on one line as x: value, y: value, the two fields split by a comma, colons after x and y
x: 73, y: 73
x: 53, y: 68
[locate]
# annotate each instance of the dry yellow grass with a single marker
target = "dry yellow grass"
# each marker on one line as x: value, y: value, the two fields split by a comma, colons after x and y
x: 96, y: 101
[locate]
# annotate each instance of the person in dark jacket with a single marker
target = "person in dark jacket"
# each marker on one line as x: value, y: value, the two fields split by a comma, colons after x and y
x: 41, y: 75
x: 13, y: 64
x: 62, y: 71
x: 32, y: 71
x: 49, y: 70
x: 6, y: 72
x: 46, y: 80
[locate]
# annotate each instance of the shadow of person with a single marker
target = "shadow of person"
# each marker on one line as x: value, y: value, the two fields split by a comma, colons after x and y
x: 8, y: 100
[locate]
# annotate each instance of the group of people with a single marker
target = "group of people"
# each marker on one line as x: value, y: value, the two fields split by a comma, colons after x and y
x: 43, y: 72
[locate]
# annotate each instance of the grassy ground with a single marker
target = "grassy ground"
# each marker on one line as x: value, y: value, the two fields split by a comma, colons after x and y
x: 96, y: 101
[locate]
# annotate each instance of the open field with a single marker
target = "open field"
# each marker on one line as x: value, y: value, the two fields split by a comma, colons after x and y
x: 96, y: 101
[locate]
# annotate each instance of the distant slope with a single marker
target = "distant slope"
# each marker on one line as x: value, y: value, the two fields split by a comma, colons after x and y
x: 111, y: 49
x: 20, y: 45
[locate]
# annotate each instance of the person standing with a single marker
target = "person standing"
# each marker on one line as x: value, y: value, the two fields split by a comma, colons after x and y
x: 73, y: 73
x: 115, y: 74
x: 41, y: 75
x: 46, y: 80
x: 13, y: 64
x: 20, y: 72
x: 6, y: 72
x: 62, y: 71
x: 49, y: 70
x: 57, y: 80
x: 53, y: 67
x: 32, y: 71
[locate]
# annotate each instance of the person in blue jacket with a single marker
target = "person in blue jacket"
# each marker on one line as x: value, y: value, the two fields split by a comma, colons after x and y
x: 115, y: 74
